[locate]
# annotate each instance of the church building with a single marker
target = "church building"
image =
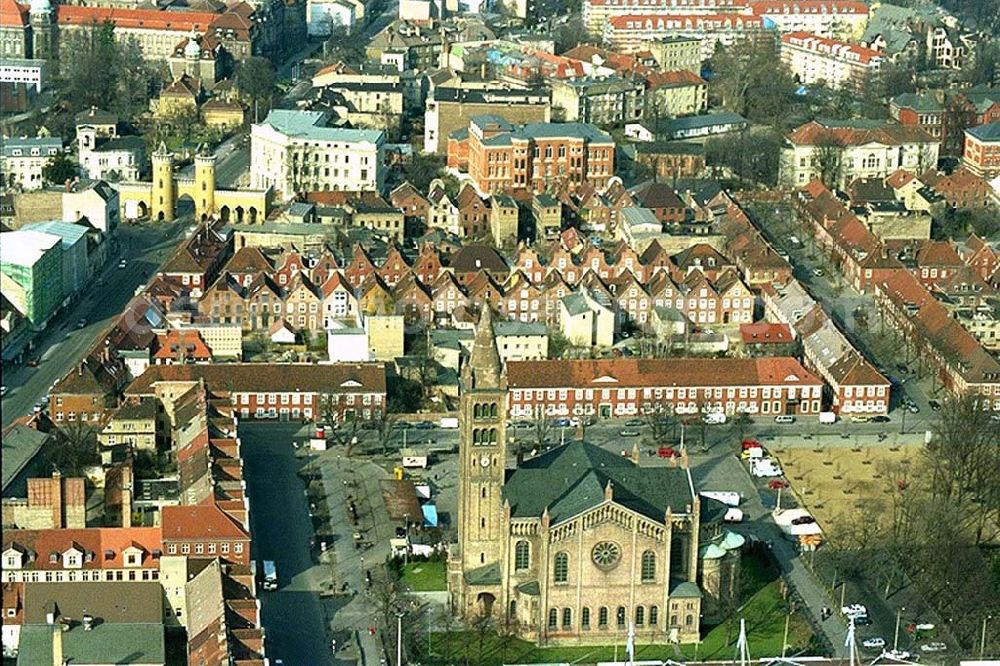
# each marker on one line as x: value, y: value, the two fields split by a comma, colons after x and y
x: 576, y: 544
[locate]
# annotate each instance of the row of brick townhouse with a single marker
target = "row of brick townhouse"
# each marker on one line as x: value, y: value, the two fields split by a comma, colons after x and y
x: 629, y: 32
x: 957, y: 359
x: 279, y: 391
x: 855, y: 387
x: 632, y: 387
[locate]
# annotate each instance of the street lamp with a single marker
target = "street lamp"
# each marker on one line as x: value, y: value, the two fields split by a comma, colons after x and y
x: 399, y: 639
x: 895, y: 640
x: 982, y: 639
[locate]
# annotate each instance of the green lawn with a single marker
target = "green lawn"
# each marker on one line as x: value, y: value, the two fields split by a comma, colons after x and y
x: 764, y: 612
x: 455, y: 647
x: 424, y: 576
x: 765, y: 618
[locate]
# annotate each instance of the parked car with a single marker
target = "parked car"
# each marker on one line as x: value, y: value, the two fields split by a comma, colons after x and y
x: 934, y: 405
x: 898, y: 655
x: 634, y: 422
x: 775, y: 484
x: 803, y: 520
x: 912, y: 408
x: 667, y: 452
x: 862, y: 621
x: 784, y: 418
x: 425, y: 425
x: 764, y: 468
x: 561, y: 423
x: 32, y: 362
x: 818, y: 272
x: 876, y: 643
x: 936, y: 646
x: 82, y: 322
x: 122, y: 264
x: 854, y: 610
x: 880, y: 419
x: 3, y: 391
x: 629, y: 433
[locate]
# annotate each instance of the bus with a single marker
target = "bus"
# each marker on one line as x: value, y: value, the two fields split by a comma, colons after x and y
x: 270, y: 575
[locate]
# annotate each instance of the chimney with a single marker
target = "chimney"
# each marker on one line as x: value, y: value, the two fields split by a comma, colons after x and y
x: 57, y: 646
x: 57, y: 501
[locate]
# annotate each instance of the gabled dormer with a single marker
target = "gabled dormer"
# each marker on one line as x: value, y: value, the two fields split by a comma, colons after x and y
x: 132, y: 555
x: 73, y: 556
x: 13, y: 557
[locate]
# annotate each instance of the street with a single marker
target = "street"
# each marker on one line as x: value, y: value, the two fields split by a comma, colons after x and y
x: 61, y: 346
x: 281, y: 529
x: 321, y: 595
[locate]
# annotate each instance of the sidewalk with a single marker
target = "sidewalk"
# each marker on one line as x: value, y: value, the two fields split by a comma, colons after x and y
x: 810, y: 591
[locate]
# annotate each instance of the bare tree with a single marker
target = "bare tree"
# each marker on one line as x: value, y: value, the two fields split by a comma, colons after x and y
x: 828, y: 152
x: 541, y: 425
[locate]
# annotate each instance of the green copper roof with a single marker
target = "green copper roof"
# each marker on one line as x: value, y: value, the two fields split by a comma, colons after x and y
x: 732, y: 541
x: 107, y: 643
x: 488, y: 574
x: 571, y: 479
x: 684, y: 589
x: 531, y: 588
x: 712, y: 552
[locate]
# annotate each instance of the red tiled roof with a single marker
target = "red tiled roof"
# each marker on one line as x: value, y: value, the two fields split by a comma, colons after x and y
x: 797, y: 7
x: 621, y: 373
x: 104, y: 543
x: 674, y: 79
x: 13, y: 14
x: 168, y: 346
x: 899, y: 178
x: 813, y: 133
x: 764, y: 332
x: 668, y: 21
x: 831, y: 47
x: 149, y: 19
x: 205, y: 521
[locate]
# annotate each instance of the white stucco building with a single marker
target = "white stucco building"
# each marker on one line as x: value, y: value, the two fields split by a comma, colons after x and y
x: 22, y: 160
x: 293, y: 151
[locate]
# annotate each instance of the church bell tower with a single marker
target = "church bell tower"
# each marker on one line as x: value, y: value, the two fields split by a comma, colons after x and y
x: 482, y: 451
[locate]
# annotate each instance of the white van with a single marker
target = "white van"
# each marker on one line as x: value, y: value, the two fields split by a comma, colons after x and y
x: 715, y: 418
x: 784, y: 418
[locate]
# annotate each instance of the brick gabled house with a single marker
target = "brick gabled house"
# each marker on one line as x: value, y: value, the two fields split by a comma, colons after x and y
x: 225, y: 301
x: 410, y: 201
x: 522, y: 300
x: 360, y: 268
x: 394, y: 268
x: 553, y: 289
x: 427, y: 266
x: 247, y: 263
x: 263, y: 302
x: 483, y: 289
x: 474, y: 213
x: 562, y: 261
x: 529, y: 263
x: 326, y: 266
x: 413, y: 300
x: 447, y: 295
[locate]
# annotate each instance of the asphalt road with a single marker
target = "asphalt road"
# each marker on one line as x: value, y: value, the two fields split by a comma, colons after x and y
x: 62, y: 345
x: 281, y: 530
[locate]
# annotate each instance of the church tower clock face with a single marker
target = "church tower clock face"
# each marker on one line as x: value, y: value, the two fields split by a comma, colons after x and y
x: 606, y: 555
x: 485, y: 461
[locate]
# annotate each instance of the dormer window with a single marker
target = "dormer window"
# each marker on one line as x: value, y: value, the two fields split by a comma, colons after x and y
x: 13, y: 559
